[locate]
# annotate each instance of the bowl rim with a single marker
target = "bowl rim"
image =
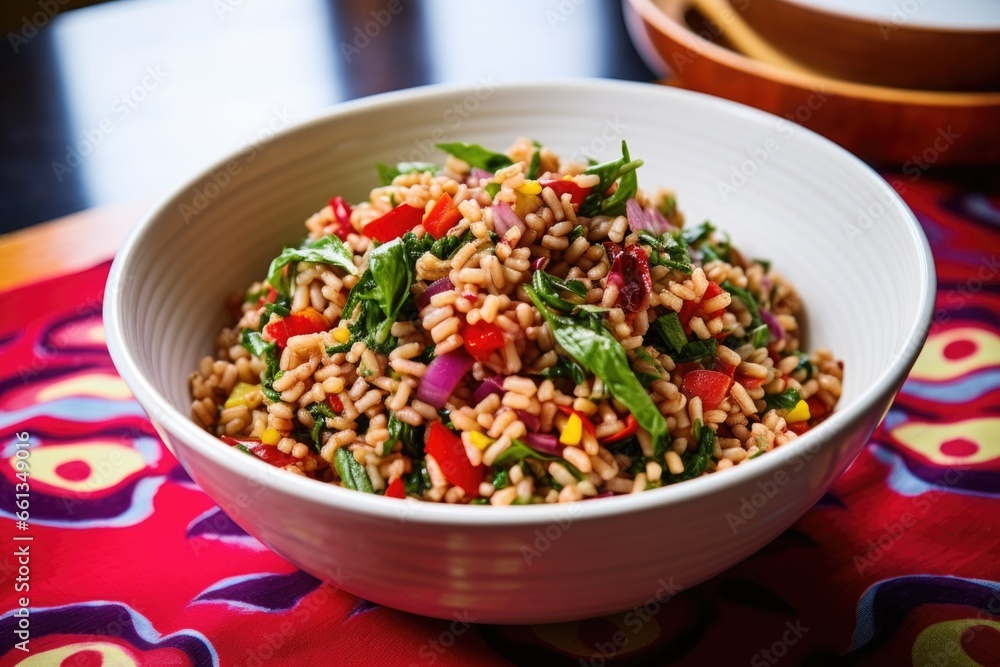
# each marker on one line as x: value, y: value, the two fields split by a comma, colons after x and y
x: 653, y: 16
x: 335, y: 498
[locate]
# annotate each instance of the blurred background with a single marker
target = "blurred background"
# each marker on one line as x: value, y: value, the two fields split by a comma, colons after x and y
x: 124, y: 99
x: 118, y: 101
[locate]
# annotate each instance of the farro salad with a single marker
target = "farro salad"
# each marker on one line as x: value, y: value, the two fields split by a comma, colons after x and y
x: 512, y: 328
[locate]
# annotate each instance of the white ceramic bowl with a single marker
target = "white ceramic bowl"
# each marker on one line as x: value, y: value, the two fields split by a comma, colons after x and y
x: 828, y: 222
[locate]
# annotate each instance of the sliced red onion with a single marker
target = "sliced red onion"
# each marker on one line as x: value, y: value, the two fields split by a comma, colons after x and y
x: 504, y: 218
x: 530, y: 421
x: 423, y: 299
x: 442, y: 376
x: 539, y: 263
x: 491, y: 385
x: 477, y: 176
x: 773, y: 325
x: 544, y: 442
x: 637, y: 220
x: 657, y: 223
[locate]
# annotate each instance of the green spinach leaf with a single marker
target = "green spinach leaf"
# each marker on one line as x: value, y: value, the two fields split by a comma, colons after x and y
x: 477, y: 156
x: 352, y: 474
x: 326, y: 250
x: 387, y: 174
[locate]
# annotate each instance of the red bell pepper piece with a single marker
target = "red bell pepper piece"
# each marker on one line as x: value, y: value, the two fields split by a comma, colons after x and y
x: 395, y: 223
x: 799, y: 428
x: 396, y: 489
x: 750, y: 382
x: 710, y: 386
x: 725, y: 368
x: 305, y: 321
x: 588, y: 425
x: 631, y: 426
x: 267, y: 453
x: 630, y: 274
x: 335, y: 403
x: 448, y: 450
x: 692, y: 308
x: 562, y: 186
x: 342, y: 218
x: 482, y: 339
x: 442, y: 217
x: 270, y: 297
x: 817, y: 408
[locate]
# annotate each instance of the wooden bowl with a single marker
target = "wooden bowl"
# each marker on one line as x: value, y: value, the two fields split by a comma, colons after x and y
x: 898, y: 46
x: 913, y: 129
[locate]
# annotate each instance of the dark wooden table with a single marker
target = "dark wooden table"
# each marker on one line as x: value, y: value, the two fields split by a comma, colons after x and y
x: 119, y: 101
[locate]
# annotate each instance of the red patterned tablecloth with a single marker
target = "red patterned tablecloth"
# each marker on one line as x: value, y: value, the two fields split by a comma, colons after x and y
x: 130, y: 563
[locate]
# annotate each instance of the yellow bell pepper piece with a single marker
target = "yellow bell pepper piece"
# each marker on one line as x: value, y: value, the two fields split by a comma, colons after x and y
x: 480, y: 440
x: 239, y: 394
x: 341, y: 334
x: 270, y: 436
x: 530, y: 188
x: 572, y: 432
x: 800, y: 413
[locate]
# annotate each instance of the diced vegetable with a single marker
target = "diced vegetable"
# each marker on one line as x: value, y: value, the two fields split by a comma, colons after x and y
x: 631, y: 426
x: 504, y: 218
x: 342, y: 217
x: 477, y: 156
x: 442, y: 217
x: 482, y: 339
x: 630, y: 274
x: 442, y: 376
x: 270, y: 436
x: 480, y: 440
x: 544, y: 442
x: 396, y: 489
x: 395, y: 223
x: 800, y: 413
x: 562, y: 186
x: 238, y: 396
x: 423, y: 299
x: 449, y: 452
x: 352, y: 474
x: 621, y: 171
x: 596, y: 349
x: 585, y: 422
x: 326, y: 250
x: 490, y: 385
x: 573, y: 431
x: 306, y: 321
x: 710, y: 386
x: 266, y: 453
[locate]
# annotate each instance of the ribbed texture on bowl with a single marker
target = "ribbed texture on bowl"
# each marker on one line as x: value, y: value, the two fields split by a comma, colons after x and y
x: 866, y: 282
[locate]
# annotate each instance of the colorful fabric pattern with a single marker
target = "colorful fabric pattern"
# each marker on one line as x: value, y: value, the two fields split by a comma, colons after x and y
x: 131, y: 564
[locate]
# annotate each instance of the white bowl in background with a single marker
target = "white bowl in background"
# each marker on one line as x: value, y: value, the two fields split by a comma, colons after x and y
x: 828, y: 222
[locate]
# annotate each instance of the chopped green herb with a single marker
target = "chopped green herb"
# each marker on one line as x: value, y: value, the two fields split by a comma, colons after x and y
x: 352, y: 474
x: 695, y: 235
x: 518, y: 451
x: 257, y: 346
x: 565, y: 368
x: 419, y: 480
x: 622, y: 171
x: 326, y: 250
x: 786, y: 400
x: 492, y: 189
x: 757, y: 335
x: 595, y: 348
x: 243, y: 448
x: 410, y: 436
x: 696, y: 460
x: 319, y: 412
x: 387, y: 173
x: 766, y: 263
x: 671, y: 331
x: 669, y: 250
x: 501, y: 478
x: 536, y: 161
x: 551, y: 290
x: 477, y: 156
x: 381, y: 291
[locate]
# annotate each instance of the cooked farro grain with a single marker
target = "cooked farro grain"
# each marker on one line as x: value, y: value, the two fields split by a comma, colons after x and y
x: 573, y: 332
